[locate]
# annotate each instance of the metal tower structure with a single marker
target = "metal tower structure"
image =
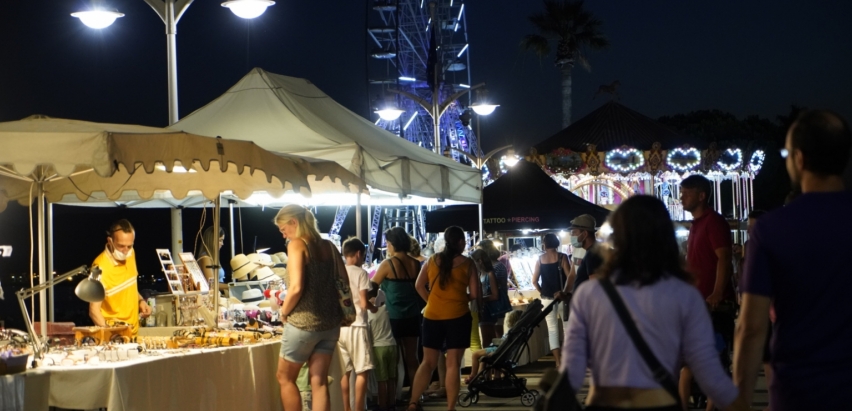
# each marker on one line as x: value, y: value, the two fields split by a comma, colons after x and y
x: 405, y: 38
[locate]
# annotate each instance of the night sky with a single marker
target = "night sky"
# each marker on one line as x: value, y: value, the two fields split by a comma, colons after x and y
x: 754, y: 57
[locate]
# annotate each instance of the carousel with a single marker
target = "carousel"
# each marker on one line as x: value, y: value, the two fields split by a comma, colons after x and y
x: 614, y: 153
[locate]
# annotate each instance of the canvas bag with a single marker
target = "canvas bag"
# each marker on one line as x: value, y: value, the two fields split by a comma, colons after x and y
x: 344, y: 293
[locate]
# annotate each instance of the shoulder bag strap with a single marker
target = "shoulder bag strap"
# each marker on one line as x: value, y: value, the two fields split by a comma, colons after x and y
x: 561, y: 275
x: 661, y: 375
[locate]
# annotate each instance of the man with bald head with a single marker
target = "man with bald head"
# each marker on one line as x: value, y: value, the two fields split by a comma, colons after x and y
x: 123, y: 303
x: 797, y: 261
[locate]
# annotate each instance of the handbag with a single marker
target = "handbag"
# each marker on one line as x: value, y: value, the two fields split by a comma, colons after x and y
x: 566, y: 309
x: 344, y: 293
x: 559, y: 395
x: 661, y: 375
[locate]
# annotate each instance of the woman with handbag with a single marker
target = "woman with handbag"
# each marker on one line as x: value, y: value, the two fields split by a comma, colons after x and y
x: 315, y: 273
x: 636, y: 324
x: 552, y: 271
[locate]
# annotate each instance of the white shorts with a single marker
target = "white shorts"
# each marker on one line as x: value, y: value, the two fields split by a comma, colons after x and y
x: 355, y: 351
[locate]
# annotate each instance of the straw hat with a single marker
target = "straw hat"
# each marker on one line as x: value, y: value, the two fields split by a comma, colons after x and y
x: 261, y: 259
x: 252, y: 295
x: 282, y: 257
x: 242, y: 266
x: 263, y: 273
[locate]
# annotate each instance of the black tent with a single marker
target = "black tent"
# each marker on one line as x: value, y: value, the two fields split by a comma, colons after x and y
x: 524, y: 198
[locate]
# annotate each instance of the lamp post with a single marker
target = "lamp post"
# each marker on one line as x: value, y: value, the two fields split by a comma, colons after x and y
x: 170, y: 11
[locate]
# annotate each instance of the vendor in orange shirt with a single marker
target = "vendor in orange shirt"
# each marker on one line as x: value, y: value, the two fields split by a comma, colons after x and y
x: 123, y: 303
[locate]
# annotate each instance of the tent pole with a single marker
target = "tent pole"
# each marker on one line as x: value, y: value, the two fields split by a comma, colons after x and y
x: 359, y: 235
x: 215, y: 256
x: 171, y: 57
x: 233, y: 243
x: 42, y: 269
x: 481, y: 231
x: 177, y: 230
x: 50, y: 301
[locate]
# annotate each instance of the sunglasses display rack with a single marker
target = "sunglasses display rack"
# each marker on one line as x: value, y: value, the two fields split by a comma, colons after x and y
x: 173, y: 276
x: 193, y: 272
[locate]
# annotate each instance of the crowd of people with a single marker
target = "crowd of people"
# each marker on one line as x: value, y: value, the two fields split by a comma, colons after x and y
x: 680, y: 313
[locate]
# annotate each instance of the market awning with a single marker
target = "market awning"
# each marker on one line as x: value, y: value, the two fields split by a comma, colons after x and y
x: 79, y: 161
x: 292, y: 115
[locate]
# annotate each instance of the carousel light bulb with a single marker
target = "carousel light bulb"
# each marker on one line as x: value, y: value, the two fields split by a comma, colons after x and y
x: 737, y: 154
x: 248, y: 9
x: 97, y: 19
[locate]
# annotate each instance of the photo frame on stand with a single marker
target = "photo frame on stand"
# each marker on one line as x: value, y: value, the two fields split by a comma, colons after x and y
x: 173, y: 277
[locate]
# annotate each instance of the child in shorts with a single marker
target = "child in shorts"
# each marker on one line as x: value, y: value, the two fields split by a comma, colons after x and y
x: 478, y: 355
x: 354, y: 342
x: 385, y: 354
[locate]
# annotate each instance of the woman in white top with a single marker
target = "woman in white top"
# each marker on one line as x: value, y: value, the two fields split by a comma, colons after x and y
x: 646, y: 269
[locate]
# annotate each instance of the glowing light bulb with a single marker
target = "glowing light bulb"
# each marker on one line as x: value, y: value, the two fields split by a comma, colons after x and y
x: 97, y: 19
x: 248, y: 9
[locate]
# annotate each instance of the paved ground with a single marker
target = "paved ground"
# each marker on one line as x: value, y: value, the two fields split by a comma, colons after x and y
x: 532, y: 372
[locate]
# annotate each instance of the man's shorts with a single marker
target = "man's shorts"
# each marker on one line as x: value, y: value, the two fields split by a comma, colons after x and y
x: 298, y: 345
x: 355, y: 352
x: 385, y: 361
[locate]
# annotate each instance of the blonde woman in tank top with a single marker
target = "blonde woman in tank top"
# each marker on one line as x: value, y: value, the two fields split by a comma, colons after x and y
x: 311, y: 324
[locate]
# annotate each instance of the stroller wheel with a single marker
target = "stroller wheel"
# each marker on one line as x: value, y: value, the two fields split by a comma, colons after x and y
x: 468, y: 398
x: 535, y: 392
x: 528, y: 399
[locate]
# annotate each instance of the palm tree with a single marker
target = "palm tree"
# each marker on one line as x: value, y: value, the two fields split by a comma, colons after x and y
x: 574, y: 29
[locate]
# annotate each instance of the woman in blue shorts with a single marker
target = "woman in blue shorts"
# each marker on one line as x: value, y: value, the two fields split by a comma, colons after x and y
x: 311, y: 324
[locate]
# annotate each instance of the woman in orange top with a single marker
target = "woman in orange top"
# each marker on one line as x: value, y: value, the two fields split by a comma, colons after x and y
x: 448, y: 282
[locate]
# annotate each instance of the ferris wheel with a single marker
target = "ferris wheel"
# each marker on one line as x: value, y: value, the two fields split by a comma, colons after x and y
x: 405, y: 38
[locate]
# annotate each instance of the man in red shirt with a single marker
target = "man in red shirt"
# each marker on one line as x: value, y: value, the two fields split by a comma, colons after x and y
x: 708, y: 256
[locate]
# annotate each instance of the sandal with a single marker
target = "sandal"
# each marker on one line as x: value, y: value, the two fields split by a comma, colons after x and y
x: 417, y: 406
x: 441, y: 393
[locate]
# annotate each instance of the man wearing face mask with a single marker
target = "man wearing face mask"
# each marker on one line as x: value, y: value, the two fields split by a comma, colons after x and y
x: 583, y: 236
x: 123, y: 303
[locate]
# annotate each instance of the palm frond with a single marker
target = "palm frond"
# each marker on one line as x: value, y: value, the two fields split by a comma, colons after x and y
x: 537, y: 44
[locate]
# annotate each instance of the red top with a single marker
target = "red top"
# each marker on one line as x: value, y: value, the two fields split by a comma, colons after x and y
x: 707, y: 234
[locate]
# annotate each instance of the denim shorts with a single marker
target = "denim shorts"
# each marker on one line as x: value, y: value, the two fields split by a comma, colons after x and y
x: 298, y: 345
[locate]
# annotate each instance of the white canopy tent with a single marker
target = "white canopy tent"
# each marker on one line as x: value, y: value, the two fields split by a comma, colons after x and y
x: 291, y: 115
x: 60, y: 160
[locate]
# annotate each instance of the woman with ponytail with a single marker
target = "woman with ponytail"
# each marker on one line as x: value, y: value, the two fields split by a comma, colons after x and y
x: 448, y: 282
x: 310, y: 312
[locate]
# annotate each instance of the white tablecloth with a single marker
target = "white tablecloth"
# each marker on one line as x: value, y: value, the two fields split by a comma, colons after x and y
x: 235, y: 378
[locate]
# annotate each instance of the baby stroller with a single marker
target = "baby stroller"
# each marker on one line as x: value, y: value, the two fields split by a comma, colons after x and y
x: 503, y: 361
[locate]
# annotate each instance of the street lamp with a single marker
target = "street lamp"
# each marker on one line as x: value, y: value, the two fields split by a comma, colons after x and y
x: 248, y: 9
x: 388, y: 110
x: 511, y: 158
x: 170, y: 11
x: 97, y: 19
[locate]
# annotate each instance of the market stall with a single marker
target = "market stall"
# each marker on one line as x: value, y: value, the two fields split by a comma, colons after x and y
x: 91, y: 162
